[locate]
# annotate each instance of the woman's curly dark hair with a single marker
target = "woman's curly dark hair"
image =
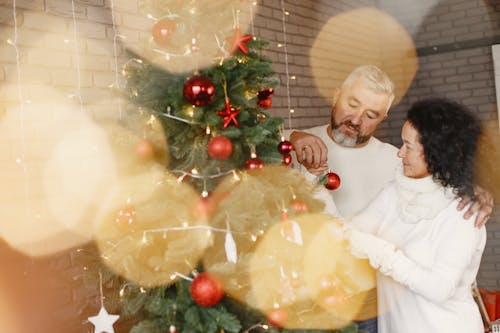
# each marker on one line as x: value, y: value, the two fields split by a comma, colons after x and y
x: 449, y: 133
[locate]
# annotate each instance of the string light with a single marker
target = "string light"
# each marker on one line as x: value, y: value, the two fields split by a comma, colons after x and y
x: 115, y: 55
x: 177, y: 274
x: 252, y: 27
x: 21, y: 159
x: 183, y: 228
x: 77, y: 56
x: 195, y: 174
x: 171, y: 116
x: 263, y: 326
x: 284, y: 45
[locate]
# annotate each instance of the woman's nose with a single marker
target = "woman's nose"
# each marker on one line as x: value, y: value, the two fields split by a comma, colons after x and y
x: 400, y: 153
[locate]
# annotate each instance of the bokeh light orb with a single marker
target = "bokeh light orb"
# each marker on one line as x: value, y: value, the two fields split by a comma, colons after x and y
x: 246, y: 208
x: 362, y: 36
x: 182, y: 36
x: 315, y: 280
x: 58, y: 163
x: 155, y: 235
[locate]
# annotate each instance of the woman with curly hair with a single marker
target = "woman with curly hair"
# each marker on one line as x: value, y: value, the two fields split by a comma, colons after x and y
x: 426, y: 254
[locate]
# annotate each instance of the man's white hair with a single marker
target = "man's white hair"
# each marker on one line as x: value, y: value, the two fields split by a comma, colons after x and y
x: 375, y: 78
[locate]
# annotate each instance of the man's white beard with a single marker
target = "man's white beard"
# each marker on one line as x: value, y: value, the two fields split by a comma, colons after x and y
x: 343, y: 139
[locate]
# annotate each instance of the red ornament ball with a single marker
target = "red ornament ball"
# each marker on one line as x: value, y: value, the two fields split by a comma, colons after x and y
x: 206, y: 289
x: 220, y: 147
x: 285, y: 147
x: 254, y: 163
x: 162, y: 30
x: 199, y: 90
x: 277, y: 317
x: 299, y: 206
x: 203, y: 208
x: 264, y: 98
x: 287, y: 159
x: 144, y: 149
x: 332, y: 181
x: 125, y: 215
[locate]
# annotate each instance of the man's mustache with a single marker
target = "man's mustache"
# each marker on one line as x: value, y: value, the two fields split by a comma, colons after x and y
x: 350, y: 124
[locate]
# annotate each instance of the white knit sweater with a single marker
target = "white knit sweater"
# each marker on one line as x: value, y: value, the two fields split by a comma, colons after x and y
x: 427, y: 256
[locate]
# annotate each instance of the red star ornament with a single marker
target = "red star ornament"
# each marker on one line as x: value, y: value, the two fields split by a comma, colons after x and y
x: 229, y: 115
x: 239, y: 42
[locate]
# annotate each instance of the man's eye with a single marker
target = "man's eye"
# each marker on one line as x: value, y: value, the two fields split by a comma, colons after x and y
x: 372, y: 115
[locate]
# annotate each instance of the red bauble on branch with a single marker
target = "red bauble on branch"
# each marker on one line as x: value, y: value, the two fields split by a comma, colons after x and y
x: 162, y: 30
x: 144, y: 150
x: 287, y: 159
x: 220, y: 147
x: 277, y: 317
x: 264, y: 98
x: 254, y: 163
x: 199, y: 90
x: 206, y: 289
x: 332, y: 181
x: 299, y: 206
x: 285, y: 147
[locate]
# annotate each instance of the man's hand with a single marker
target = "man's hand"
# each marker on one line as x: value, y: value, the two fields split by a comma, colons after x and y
x: 311, y: 151
x: 483, y: 204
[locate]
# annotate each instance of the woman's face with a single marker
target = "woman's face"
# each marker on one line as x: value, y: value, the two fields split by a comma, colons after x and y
x: 412, y: 153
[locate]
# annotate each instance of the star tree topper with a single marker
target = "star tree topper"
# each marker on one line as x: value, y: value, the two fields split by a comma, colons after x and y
x: 228, y: 115
x: 239, y: 42
x: 104, y: 321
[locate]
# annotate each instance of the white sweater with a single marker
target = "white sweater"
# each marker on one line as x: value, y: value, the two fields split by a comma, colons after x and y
x: 425, y: 265
x: 363, y: 171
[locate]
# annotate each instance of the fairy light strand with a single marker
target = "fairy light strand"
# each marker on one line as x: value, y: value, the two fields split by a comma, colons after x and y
x: 21, y: 160
x: 287, y: 73
x: 115, y: 54
x: 252, y: 25
x: 101, y: 293
x: 196, y: 175
x: 165, y: 230
x: 262, y: 326
x: 77, y: 56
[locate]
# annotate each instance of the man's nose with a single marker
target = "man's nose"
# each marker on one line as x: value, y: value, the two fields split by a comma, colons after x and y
x: 356, y: 118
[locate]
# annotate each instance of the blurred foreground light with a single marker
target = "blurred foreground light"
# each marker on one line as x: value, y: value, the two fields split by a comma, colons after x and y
x: 363, y: 36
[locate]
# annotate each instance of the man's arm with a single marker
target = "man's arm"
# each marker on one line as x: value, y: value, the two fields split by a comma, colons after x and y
x: 311, y: 151
x: 482, y: 204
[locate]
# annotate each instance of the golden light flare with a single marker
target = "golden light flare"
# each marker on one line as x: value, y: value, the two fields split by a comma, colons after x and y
x: 58, y: 163
x: 182, y: 36
x: 246, y: 207
x: 488, y: 160
x: 342, y: 284
x: 363, y: 36
x: 317, y: 282
x: 149, y: 230
x: 8, y: 317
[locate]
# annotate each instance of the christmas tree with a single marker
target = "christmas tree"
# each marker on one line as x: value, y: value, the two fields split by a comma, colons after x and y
x: 210, y: 230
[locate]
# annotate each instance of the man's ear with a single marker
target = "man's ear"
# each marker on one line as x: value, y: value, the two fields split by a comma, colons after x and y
x: 336, y: 95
